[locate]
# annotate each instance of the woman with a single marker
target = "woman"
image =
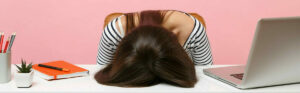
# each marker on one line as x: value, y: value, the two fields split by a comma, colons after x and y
x: 151, y: 47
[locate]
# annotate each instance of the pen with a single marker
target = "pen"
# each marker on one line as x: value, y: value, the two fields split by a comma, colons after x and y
x: 1, y: 41
x: 52, y: 67
x: 11, y: 41
x: 6, y: 44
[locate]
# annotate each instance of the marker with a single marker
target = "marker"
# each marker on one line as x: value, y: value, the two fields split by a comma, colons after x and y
x: 6, y: 45
x: 52, y: 67
x: 1, y: 41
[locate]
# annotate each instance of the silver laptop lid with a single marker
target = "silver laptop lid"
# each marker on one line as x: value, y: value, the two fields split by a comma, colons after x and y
x: 274, y: 57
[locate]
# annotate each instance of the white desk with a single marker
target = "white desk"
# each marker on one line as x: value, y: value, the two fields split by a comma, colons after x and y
x: 88, y: 84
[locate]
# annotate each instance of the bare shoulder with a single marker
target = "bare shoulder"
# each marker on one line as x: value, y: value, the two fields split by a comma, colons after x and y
x: 180, y: 24
x: 178, y: 20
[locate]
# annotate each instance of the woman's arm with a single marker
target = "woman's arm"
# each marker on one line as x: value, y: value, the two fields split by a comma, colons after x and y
x: 107, y: 46
x: 201, y: 51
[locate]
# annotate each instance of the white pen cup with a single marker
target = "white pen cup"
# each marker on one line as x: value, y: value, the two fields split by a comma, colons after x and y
x: 5, y: 67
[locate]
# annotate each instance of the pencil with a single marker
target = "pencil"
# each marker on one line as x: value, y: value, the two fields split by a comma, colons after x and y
x: 6, y: 44
x: 1, y: 41
x: 52, y: 67
x: 11, y: 41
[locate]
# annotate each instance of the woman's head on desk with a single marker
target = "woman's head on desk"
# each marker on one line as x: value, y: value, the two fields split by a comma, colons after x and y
x: 146, y: 56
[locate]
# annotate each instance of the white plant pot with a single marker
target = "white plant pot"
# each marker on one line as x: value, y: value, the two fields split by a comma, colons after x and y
x: 23, y: 80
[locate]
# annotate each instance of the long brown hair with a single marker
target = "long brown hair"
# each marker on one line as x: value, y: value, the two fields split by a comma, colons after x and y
x: 149, y: 54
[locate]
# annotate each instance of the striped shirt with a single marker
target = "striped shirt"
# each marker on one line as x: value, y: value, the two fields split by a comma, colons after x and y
x: 197, y: 45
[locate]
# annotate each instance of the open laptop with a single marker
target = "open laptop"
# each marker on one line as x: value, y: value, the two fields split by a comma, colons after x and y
x: 274, y: 57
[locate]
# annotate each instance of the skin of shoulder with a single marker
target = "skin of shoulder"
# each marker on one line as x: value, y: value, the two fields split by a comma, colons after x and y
x: 180, y: 24
x: 177, y: 22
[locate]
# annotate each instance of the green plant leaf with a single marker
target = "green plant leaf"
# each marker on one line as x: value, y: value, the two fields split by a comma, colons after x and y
x: 23, y: 64
x: 24, y: 68
x: 19, y: 68
x: 29, y: 66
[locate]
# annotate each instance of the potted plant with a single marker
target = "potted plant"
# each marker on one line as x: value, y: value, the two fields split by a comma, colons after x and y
x: 23, y: 78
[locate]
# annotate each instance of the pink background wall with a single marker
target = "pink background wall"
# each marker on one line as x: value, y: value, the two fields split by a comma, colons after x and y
x: 70, y: 30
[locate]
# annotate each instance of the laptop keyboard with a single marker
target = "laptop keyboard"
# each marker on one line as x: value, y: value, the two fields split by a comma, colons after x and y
x: 238, y: 76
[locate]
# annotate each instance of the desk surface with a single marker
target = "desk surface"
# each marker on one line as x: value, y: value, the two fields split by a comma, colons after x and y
x: 88, y: 84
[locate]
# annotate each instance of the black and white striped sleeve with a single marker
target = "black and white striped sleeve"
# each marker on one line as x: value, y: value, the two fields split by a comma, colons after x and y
x: 201, y: 53
x: 107, y: 46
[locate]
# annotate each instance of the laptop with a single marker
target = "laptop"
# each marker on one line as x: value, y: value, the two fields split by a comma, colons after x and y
x: 274, y: 58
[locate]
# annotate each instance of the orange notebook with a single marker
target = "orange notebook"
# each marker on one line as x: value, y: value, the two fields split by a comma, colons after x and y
x: 50, y: 74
